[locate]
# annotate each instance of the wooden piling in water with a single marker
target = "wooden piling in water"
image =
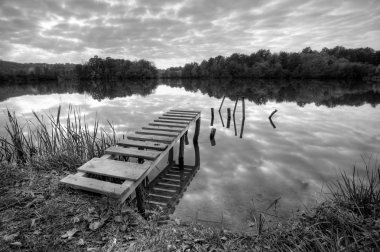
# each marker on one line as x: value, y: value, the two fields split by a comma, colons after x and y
x: 212, y: 116
x: 237, y: 99
x: 197, y: 128
x: 181, y: 152
x: 222, y: 103
x: 243, y: 103
x: 171, y: 156
x: 228, y: 117
x: 186, y: 139
x: 212, y: 133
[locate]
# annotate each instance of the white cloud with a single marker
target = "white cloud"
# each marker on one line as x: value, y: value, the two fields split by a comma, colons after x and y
x: 172, y: 33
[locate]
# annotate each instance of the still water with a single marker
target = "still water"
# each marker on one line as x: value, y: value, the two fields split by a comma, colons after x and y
x: 321, y: 128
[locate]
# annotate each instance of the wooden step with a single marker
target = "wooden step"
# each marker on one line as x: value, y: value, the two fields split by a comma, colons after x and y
x: 175, y: 125
x: 160, y: 139
x: 156, y: 133
x: 185, y: 111
x: 180, y: 115
x: 160, y: 128
x: 94, y: 185
x: 129, y: 152
x: 115, y: 169
x: 175, y: 118
x: 170, y: 121
x: 143, y: 144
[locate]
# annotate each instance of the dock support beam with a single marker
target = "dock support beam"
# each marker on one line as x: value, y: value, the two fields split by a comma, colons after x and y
x: 181, y: 152
x: 140, y: 200
x: 197, y: 128
x: 171, y: 156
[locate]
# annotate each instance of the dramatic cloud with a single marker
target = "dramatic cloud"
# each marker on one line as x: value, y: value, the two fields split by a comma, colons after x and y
x: 172, y: 32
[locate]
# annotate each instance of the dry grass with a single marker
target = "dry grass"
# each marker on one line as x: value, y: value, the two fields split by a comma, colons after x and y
x: 53, y: 144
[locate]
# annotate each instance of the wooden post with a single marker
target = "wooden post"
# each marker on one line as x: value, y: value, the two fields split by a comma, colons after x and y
x: 212, y: 136
x: 212, y: 116
x: 228, y: 117
x: 171, y: 156
x: 235, y: 125
x: 270, y: 118
x: 222, y: 103
x: 197, y: 128
x: 212, y: 133
x: 181, y: 151
x: 242, y: 127
x: 221, y: 118
x: 140, y: 200
x: 186, y: 139
x: 237, y: 99
x: 242, y: 100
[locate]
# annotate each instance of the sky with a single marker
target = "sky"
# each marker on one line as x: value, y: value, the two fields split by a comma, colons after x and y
x: 172, y: 33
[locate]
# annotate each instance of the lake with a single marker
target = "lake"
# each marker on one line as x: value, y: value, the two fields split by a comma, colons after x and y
x: 319, y: 130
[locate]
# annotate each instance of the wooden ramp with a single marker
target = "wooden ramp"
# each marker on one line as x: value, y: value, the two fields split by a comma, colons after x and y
x: 119, y: 179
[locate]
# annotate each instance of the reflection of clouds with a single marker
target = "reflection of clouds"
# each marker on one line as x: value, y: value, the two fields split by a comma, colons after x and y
x: 293, y: 161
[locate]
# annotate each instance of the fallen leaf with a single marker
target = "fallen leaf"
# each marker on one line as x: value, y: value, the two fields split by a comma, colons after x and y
x: 10, y: 237
x: 37, y: 232
x: 81, y: 242
x: 69, y: 234
x: 118, y: 218
x: 32, y: 223
x: 16, y: 244
x: 76, y: 219
x: 177, y: 221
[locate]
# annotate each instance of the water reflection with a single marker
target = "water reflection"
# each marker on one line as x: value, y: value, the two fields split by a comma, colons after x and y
x: 311, y: 142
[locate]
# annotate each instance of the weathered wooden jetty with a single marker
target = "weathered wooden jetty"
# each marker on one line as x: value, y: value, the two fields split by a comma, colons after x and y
x: 115, y: 175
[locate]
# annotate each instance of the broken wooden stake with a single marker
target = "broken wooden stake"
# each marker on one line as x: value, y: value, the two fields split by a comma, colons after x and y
x: 212, y: 116
x: 228, y: 117
x: 212, y: 133
x: 222, y: 103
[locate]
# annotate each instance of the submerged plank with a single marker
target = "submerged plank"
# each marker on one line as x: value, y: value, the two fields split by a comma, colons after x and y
x: 143, y: 144
x: 156, y: 133
x: 175, y: 125
x: 170, y: 121
x: 160, y: 139
x: 116, y: 150
x: 115, y: 169
x: 175, y: 118
x: 94, y: 185
x: 160, y: 128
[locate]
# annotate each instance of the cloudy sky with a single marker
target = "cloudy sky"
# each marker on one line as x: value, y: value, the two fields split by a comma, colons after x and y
x: 172, y: 33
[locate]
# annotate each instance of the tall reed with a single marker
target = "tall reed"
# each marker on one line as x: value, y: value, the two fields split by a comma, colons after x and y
x: 49, y: 142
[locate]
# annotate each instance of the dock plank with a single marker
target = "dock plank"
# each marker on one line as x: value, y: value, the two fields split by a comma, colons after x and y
x: 170, y: 121
x: 175, y: 118
x: 175, y: 125
x: 179, y: 115
x: 94, y: 185
x: 142, y: 144
x: 116, y: 150
x: 186, y: 111
x: 156, y: 133
x: 160, y: 139
x: 115, y: 169
x: 160, y: 128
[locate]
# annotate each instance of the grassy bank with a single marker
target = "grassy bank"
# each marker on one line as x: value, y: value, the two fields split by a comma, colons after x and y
x: 38, y: 214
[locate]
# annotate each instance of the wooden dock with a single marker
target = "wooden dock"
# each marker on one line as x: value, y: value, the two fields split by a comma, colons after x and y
x: 119, y: 179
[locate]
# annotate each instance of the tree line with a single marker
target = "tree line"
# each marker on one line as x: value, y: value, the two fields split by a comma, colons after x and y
x: 335, y: 63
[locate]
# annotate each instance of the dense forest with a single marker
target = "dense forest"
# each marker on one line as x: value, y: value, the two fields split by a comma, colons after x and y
x: 335, y: 63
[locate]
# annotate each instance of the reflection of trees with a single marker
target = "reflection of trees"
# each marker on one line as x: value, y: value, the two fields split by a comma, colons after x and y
x: 97, y: 89
x: 328, y: 93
